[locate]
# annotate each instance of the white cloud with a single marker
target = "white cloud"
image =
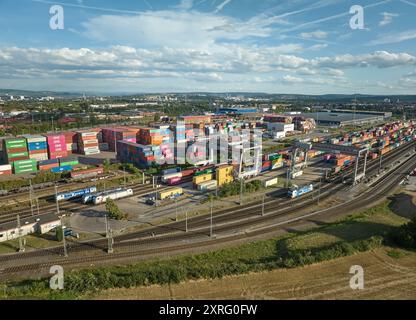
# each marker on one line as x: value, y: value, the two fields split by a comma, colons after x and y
x: 185, y: 5
x: 318, y: 34
x: 394, y: 37
x: 222, y: 5
x: 387, y: 18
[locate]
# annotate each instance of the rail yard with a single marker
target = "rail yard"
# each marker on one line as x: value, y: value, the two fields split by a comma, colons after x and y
x: 313, y: 177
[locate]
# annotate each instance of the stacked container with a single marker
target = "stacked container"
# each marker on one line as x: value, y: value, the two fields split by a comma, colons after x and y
x: 25, y: 166
x: 88, y: 142
x: 137, y: 154
x: 56, y: 146
x: 154, y: 136
x: 68, y: 161
x: 37, y: 147
x: 111, y: 135
x: 71, y: 142
x: 48, y: 164
x: 15, y: 149
x: 5, y: 169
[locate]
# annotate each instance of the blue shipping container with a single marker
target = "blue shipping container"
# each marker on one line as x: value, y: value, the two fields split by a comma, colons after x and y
x: 46, y: 162
x: 61, y: 169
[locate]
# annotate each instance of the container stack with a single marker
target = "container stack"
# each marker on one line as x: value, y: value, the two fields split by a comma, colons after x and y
x: 15, y: 149
x: 224, y: 175
x: 56, y: 146
x: 68, y: 161
x: 111, y: 135
x: 37, y: 147
x: 25, y: 166
x: 137, y: 154
x: 47, y: 165
x: 88, y: 142
x: 5, y: 169
x: 71, y: 142
x: 153, y: 136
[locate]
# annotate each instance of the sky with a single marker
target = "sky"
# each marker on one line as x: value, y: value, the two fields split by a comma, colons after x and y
x: 272, y: 46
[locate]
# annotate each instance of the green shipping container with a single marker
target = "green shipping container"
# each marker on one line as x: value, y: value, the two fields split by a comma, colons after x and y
x: 69, y: 163
x: 29, y: 170
x: 17, y: 155
x: 32, y: 162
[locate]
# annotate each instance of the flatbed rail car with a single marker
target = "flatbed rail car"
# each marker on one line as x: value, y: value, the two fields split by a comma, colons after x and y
x: 296, y: 192
x: 75, y: 194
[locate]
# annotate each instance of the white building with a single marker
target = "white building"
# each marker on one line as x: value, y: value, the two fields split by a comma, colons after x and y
x: 35, y: 224
x: 280, y: 126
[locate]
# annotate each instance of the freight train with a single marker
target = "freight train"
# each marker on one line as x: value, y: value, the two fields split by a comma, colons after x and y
x: 75, y: 194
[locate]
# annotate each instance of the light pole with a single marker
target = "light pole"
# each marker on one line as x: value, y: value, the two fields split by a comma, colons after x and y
x: 186, y: 221
x: 241, y: 191
x: 262, y: 206
x: 319, y: 190
x: 19, y: 230
x: 210, y: 228
x: 62, y: 223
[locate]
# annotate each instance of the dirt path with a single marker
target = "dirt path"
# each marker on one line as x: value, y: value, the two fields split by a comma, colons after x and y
x: 385, y: 278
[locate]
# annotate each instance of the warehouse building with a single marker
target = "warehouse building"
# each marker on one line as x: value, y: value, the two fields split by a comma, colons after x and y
x: 36, y: 224
x: 341, y: 119
x: 237, y: 111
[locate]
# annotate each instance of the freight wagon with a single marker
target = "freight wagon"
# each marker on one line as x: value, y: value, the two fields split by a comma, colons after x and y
x: 75, y: 194
x: 114, y: 195
x: 296, y: 191
x: 82, y: 174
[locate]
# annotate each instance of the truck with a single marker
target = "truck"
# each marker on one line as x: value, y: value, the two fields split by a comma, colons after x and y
x: 296, y: 192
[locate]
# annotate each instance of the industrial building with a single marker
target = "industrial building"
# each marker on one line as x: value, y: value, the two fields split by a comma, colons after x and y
x: 237, y: 111
x: 341, y: 119
x: 36, y: 224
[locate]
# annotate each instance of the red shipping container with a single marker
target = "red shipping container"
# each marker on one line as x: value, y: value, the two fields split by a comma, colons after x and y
x: 38, y: 151
x: 48, y: 166
x: 16, y: 150
x: 18, y: 159
x: 57, y: 155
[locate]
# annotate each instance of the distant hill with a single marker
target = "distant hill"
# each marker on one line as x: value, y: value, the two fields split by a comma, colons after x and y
x: 282, y: 97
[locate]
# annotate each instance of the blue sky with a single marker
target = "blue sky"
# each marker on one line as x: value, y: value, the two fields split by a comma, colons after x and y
x: 296, y: 46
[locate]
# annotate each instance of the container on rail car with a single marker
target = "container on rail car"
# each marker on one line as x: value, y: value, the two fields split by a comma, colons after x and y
x: 296, y: 191
x: 75, y: 194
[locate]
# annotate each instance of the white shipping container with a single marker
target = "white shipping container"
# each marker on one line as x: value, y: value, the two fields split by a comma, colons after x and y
x: 91, y: 149
x: 270, y: 182
x: 88, y: 134
x: 39, y: 156
x: 207, y: 185
x: 89, y: 153
x: 297, y: 174
x: 90, y: 141
x: 36, y: 139
x: 6, y: 167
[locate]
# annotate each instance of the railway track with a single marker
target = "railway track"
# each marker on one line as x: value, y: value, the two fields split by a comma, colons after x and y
x: 70, y: 206
x: 131, y: 245
x: 135, y: 249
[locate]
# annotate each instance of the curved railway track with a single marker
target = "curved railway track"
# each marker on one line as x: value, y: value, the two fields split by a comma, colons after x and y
x: 158, y: 240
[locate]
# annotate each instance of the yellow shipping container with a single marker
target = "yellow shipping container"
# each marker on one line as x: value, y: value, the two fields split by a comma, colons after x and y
x: 203, y: 178
x: 225, y: 175
x: 162, y: 195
